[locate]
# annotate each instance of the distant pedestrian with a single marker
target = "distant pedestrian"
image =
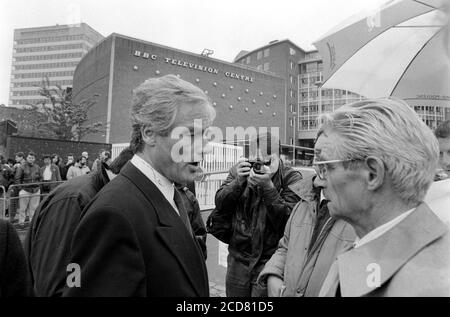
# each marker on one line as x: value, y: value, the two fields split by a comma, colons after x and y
x: 85, y: 154
x: 29, y: 195
x: 50, y: 175
x: 78, y: 169
x: 14, y: 190
x: 104, y: 157
x: 69, y: 162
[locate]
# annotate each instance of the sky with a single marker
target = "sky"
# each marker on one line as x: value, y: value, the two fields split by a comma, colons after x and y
x: 225, y: 26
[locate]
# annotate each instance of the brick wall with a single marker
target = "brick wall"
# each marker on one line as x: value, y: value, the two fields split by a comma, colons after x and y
x: 48, y: 146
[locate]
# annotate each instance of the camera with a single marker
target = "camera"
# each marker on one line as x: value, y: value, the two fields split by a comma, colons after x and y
x: 258, y: 165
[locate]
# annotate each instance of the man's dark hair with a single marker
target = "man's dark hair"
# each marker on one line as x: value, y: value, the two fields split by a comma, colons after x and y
x: 46, y: 156
x: 20, y: 154
x: 121, y: 160
x: 443, y: 130
x: 10, y: 160
x: 71, y: 154
x: 31, y: 153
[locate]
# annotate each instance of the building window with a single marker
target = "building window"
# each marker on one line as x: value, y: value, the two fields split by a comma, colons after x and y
x: 291, y: 108
x: 291, y: 122
x: 291, y: 51
x: 248, y: 59
x: 266, y: 66
x: 259, y: 55
x: 291, y: 140
x: 292, y: 65
x: 291, y: 93
x: 267, y: 52
x: 291, y: 79
x: 259, y: 67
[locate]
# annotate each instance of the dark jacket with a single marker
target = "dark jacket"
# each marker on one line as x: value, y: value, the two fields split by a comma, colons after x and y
x: 64, y: 168
x: 27, y: 173
x: 252, y: 220
x: 195, y: 218
x: 131, y: 242
x: 14, y: 278
x: 47, y: 245
x: 56, y: 176
x: 6, y: 176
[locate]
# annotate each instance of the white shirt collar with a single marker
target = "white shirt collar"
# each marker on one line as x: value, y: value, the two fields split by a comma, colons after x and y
x: 377, y: 232
x: 166, y: 187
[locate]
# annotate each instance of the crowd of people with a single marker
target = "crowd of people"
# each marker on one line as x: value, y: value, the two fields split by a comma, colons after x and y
x: 358, y: 227
x: 21, y: 200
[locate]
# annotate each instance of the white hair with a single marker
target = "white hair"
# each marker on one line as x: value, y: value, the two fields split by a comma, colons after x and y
x: 390, y: 130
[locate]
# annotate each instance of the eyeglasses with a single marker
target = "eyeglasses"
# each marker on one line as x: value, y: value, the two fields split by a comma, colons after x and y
x: 321, y: 167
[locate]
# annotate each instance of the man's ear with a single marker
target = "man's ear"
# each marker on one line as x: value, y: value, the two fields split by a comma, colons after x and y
x: 148, y: 135
x: 376, y: 172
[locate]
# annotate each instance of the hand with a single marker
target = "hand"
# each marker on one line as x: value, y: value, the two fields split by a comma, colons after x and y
x: 274, y: 286
x: 243, y: 170
x: 263, y: 180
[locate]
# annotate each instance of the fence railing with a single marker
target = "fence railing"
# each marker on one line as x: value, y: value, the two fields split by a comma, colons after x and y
x: 19, y: 202
x: 205, y: 190
x: 19, y: 205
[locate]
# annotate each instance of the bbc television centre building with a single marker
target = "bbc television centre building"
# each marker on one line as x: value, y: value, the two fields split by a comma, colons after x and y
x: 242, y: 96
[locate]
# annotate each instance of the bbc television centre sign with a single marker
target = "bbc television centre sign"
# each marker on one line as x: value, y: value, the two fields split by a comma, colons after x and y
x: 193, y: 66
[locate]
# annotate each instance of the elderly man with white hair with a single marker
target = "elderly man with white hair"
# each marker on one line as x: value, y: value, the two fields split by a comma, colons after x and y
x: 376, y: 160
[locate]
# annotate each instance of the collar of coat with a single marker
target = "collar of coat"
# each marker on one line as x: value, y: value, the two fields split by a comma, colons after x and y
x: 305, y: 190
x: 389, y: 252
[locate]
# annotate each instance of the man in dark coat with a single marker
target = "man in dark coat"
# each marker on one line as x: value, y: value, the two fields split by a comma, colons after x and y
x: 14, y: 277
x: 47, y: 245
x: 135, y: 238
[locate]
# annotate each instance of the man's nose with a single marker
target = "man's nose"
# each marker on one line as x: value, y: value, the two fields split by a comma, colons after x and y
x: 318, y: 182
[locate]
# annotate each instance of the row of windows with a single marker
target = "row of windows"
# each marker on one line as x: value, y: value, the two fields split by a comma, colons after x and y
x: 266, y: 53
x: 42, y: 75
x: 45, y: 32
x: 45, y: 57
x: 428, y: 109
x: 49, y: 65
x: 311, y: 67
x: 328, y: 94
x: 51, y: 48
x: 39, y: 83
x: 266, y: 66
x: 27, y: 101
x: 52, y: 39
x: 26, y: 93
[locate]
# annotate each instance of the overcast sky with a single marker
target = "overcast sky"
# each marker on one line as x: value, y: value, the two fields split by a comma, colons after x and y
x: 225, y: 26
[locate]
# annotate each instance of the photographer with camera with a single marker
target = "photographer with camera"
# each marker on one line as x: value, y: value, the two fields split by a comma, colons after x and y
x: 252, y: 208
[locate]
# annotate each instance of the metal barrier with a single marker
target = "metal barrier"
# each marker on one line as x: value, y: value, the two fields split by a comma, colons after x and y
x: 10, y: 206
x: 205, y: 190
x: 10, y: 199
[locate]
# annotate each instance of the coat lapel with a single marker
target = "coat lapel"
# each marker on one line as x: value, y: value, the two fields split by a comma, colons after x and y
x: 172, y: 230
x: 388, y: 253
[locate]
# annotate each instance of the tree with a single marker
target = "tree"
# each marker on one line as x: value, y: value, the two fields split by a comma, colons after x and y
x: 62, y: 118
